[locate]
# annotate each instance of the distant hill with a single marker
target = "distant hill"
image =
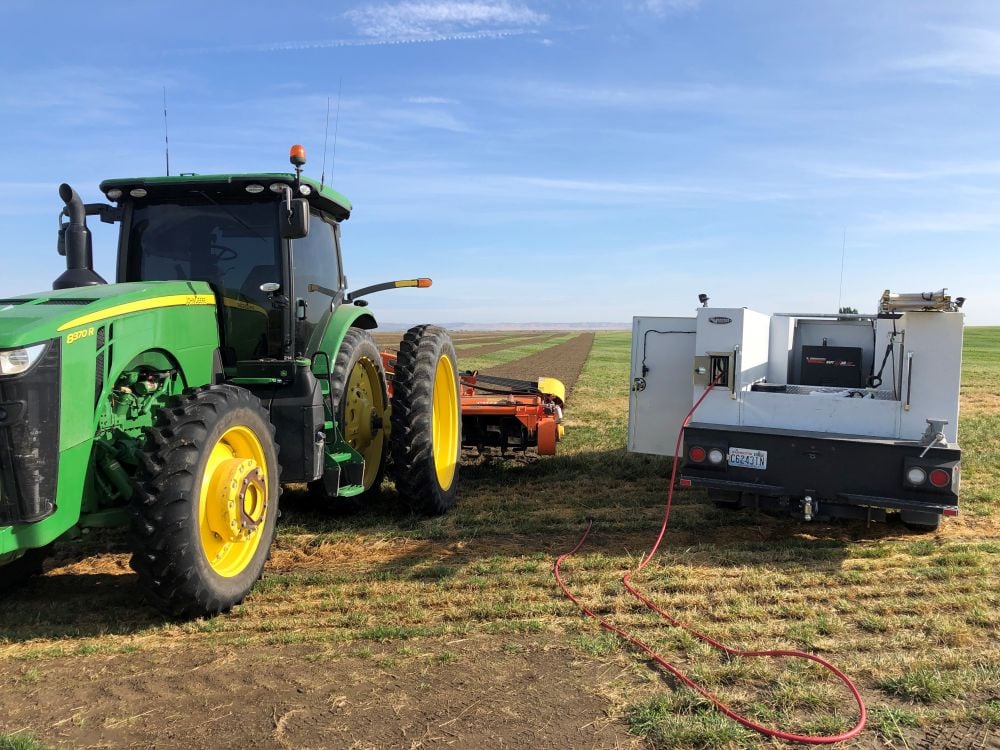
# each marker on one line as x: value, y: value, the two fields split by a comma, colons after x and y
x: 534, y: 326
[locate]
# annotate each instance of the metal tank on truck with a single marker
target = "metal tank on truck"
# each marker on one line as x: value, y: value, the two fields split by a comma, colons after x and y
x: 820, y: 415
x: 227, y: 359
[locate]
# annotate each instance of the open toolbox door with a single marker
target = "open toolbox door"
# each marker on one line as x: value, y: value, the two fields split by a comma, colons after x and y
x: 660, y: 397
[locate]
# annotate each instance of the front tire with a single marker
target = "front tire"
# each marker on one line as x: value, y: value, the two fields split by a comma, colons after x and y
x: 206, y: 502
x: 426, y: 419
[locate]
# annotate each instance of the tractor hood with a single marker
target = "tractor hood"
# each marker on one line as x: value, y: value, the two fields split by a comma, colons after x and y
x: 31, y: 318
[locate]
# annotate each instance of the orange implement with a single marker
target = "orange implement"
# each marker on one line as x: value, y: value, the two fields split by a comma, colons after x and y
x: 504, y: 413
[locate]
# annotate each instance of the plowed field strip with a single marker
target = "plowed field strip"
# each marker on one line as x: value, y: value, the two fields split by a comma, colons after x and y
x: 564, y: 362
x: 477, y: 350
x: 509, y: 353
x: 392, y: 338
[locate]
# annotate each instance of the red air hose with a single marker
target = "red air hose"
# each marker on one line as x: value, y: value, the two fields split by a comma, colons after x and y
x: 627, y: 581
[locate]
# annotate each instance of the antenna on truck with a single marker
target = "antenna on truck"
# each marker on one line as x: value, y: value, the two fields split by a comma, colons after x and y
x: 843, y: 257
x: 166, y: 133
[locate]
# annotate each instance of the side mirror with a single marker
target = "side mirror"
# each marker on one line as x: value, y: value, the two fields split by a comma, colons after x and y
x: 293, y: 217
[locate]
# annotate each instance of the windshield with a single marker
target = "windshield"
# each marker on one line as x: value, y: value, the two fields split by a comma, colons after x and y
x: 235, y: 247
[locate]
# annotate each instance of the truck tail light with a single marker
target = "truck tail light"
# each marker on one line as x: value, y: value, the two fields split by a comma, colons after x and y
x: 715, y: 456
x: 916, y: 475
x: 697, y: 454
x: 940, y: 478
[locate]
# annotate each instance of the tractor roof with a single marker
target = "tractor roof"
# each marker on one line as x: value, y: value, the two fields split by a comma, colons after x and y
x: 321, y: 197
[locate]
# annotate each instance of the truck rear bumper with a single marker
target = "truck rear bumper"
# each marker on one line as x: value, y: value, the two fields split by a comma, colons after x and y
x: 842, y: 469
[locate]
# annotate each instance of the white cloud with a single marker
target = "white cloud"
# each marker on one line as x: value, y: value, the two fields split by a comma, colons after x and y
x: 939, y: 171
x: 966, y: 51
x: 373, y: 42
x: 699, y: 96
x: 425, y: 117
x: 76, y: 94
x: 668, y: 7
x: 431, y: 20
x: 945, y: 221
x: 430, y: 100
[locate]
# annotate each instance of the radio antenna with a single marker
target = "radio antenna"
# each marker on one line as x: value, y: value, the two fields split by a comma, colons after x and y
x: 166, y: 132
x: 843, y: 256
x: 326, y: 136
x: 336, y: 128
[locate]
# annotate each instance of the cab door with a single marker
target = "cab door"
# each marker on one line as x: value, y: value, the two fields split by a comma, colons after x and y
x: 315, y: 261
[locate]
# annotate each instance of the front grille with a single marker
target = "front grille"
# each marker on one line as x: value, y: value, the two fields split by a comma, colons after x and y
x: 14, y: 301
x: 29, y: 441
x: 68, y: 301
x: 99, y: 373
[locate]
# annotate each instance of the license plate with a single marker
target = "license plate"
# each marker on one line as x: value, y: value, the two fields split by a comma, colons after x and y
x: 746, y: 458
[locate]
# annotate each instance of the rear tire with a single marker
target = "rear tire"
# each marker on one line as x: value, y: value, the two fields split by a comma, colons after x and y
x: 426, y: 420
x: 359, y: 399
x: 206, y: 502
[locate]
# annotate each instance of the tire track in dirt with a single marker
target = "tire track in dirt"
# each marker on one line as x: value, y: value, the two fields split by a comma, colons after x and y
x: 564, y: 362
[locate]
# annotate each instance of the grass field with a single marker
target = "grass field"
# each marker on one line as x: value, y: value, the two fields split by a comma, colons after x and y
x: 459, y: 619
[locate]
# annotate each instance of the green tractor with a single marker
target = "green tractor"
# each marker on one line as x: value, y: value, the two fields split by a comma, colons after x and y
x: 227, y: 360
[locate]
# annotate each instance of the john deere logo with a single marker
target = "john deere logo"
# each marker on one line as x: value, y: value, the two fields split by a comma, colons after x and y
x: 720, y: 320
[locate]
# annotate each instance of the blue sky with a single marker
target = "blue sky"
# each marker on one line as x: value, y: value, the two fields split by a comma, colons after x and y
x: 544, y: 160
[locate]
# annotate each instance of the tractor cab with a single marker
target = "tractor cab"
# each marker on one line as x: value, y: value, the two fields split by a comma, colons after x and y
x: 273, y: 261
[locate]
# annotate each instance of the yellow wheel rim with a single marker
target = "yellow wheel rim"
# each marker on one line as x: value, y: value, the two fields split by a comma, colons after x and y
x: 232, y: 508
x: 364, y: 415
x: 444, y: 422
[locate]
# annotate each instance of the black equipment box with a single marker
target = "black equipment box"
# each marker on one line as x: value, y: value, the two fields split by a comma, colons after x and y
x: 838, y: 366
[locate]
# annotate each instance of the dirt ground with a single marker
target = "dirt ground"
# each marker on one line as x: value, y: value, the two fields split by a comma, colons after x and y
x: 499, y: 346
x: 530, y: 693
x: 391, y: 339
x: 563, y: 362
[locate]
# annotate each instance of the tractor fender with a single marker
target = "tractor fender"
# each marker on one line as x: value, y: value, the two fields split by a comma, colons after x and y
x: 343, y: 318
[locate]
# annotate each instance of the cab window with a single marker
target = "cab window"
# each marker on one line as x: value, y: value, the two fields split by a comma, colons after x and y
x: 234, y: 247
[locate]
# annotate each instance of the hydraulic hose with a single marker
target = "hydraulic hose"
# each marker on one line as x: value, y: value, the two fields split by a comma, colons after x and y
x: 627, y: 582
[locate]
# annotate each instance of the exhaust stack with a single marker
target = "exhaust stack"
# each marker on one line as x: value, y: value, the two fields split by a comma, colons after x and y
x: 76, y: 244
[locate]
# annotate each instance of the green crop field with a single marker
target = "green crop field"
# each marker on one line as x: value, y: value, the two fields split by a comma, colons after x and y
x: 378, y: 628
